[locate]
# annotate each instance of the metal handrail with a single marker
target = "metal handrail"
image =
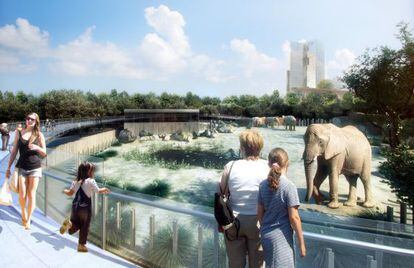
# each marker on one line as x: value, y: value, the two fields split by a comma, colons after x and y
x: 309, y: 235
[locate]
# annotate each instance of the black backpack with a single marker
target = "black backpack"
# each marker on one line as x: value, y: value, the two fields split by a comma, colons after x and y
x: 81, y: 200
x: 223, y: 212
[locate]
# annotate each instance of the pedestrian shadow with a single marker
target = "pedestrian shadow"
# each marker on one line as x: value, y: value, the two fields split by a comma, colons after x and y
x: 54, y: 240
x: 7, y: 215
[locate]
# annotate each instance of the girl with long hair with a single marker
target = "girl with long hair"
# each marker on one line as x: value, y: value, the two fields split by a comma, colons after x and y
x: 31, y: 145
x: 277, y: 210
x: 83, y: 187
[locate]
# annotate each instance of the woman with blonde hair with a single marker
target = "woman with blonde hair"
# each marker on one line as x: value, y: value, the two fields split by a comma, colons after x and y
x: 240, y: 183
x: 31, y: 145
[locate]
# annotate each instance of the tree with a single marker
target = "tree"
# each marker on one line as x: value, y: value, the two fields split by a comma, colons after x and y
x: 192, y: 101
x: 325, y: 84
x: 292, y: 99
x: 383, y: 78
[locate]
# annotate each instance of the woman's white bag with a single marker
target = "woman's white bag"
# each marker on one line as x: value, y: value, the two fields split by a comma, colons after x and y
x: 5, y: 194
x: 14, y: 182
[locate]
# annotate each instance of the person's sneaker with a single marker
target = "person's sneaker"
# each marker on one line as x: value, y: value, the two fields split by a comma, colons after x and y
x: 65, y: 226
x: 82, y: 248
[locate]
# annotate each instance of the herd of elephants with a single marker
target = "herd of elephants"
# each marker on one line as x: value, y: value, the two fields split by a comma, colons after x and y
x: 336, y: 151
x: 288, y: 121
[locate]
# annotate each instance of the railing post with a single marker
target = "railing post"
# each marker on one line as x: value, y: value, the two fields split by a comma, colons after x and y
x: 378, y: 253
x: 118, y: 215
x: 133, y: 228
x: 96, y: 201
x: 403, y: 213
x: 45, y: 195
x: 371, y: 263
x: 175, y: 237
x: 216, y: 248
x: 152, y: 231
x: 200, y: 246
x: 329, y: 258
x: 104, y: 212
x: 390, y: 214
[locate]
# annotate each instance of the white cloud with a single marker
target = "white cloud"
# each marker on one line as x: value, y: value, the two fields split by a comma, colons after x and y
x: 253, y: 61
x: 83, y: 56
x: 12, y: 64
x: 343, y: 59
x: 212, y: 70
x: 170, y: 25
x: 167, y: 51
x: 24, y: 38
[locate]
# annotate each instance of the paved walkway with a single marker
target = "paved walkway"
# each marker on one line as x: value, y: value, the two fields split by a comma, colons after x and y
x: 43, y: 246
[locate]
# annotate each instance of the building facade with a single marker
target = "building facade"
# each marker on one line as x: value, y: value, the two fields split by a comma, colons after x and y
x: 307, y: 65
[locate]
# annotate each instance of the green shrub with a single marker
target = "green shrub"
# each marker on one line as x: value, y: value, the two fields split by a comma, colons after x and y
x: 399, y: 172
x: 374, y: 141
x: 158, y: 188
x: 372, y: 214
x: 113, y: 182
x: 106, y: 154
x: 130, y: 186
x: 162, y: 254
x: 116, y: 143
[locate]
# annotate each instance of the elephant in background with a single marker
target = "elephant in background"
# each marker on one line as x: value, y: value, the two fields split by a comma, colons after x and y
x: 270, y: 122
x: 337, y: 151
x: 259, y: 121
x: 290, y: 122
x: 279, y: 120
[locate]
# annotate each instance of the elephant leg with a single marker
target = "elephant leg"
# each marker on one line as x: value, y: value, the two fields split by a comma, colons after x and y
x: 333, y: 189
x: 366, y: 181
x: 320, y: 177
x: 352, y: 198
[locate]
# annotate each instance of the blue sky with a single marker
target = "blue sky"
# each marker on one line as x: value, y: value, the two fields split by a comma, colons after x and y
x: 212, y: 48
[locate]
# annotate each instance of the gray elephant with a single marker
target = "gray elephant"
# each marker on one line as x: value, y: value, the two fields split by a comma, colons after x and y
x: 289, y: 121
x: 337, y: 151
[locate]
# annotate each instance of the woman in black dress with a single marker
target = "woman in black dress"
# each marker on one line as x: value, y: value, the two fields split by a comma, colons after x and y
x: 31, y: 145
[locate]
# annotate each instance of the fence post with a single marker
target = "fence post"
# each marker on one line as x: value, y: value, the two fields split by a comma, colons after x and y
x: 175, y: 237
x: 45, y: 196
x: 390, y: 214
x: 371, y: 263
x: 95, y: 208
x: 216, y: 248
x: 133, y: 228
x: 330, y: 258
x: 403, y: 213
x: 200, y: 246
x: 152, y: 231
x: 104, y: 212
x: 118, y: 215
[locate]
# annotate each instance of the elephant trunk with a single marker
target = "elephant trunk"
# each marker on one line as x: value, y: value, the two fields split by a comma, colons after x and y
x: 309, y: 178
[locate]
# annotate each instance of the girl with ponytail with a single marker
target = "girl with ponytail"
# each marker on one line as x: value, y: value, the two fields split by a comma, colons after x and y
x: 277, y: 210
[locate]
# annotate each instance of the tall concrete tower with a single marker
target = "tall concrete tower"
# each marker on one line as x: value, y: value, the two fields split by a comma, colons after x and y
x: 307, y: 65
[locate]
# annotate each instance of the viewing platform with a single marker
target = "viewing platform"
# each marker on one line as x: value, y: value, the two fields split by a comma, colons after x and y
x: 43, y: 245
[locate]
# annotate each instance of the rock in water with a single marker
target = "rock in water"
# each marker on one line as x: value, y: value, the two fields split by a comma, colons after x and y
x: 126, y: 136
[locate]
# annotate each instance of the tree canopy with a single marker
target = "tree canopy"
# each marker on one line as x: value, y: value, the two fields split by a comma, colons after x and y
x: 383, y: 78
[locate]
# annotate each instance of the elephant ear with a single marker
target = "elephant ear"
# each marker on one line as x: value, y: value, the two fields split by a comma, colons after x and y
x: 334, y: 146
